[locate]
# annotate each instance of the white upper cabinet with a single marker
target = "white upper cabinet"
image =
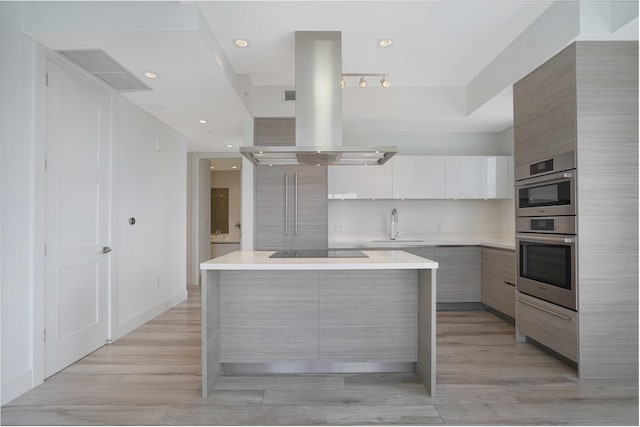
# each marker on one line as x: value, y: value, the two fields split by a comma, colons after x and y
x: 425, y: 177
x: 479, y: 177
x: 360, y: 182
x: 419, y: 177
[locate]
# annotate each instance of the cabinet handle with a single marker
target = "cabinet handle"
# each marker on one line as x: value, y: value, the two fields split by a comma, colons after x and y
x: 295, y: 187
x: 506, y: 282
x: 562, y: 316
x: 286, y: 204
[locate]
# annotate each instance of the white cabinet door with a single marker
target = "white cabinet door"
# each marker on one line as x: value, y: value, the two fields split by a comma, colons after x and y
x: 359, y: 182
x: 479, y: 177
x: 465, y: 177
x: 498, y: 177
x: 418, y: 177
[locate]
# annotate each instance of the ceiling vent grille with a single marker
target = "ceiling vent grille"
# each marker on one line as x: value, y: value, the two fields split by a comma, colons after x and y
x: 104, y: 67
x: 289, y: 95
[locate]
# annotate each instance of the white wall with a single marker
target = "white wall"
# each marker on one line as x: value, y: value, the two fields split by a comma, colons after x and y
x: 149, y: 184
x: 420, y: 217
x: 17, y: 212
x: 230, y: 180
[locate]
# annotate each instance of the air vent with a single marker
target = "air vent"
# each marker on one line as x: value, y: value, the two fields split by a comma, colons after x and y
x: 104, y: 67
x: 289, y: 95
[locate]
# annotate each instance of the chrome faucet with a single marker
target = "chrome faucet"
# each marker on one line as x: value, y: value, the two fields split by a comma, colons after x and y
x: 394, y: 221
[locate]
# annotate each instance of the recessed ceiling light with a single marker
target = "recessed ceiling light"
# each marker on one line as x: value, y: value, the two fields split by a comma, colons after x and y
x: 241, y: 43
x: 150, y: 74
x: 385, y: 42
x: 213, y: 167
x: 228, y: 145
x: 234, y: 167
x: 203, y: 121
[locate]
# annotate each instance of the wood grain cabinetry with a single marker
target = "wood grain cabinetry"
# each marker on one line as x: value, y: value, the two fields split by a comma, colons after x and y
x: 365, y: 316
x: 458, y: 273
x: 585, y: 99
x: 552, y: 133
x: 544, y: 105
x: 498, y: 280
x: 274, y: 131
x: 554, y: 326
x: 548, y: 87
x: 291, y: 207
x: 325, y: 316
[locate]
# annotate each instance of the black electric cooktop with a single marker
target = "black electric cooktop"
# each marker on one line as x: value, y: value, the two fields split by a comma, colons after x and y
x: 319, y: 254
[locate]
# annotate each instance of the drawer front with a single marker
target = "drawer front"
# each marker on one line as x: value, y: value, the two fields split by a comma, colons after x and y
x: 498, y: 279
x: 553, y: 326
x: 546, y: 88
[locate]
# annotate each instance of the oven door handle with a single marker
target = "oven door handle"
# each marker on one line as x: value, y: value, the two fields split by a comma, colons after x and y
x: 545, y: 179
x: 562, y: 316
x: 567, y: 240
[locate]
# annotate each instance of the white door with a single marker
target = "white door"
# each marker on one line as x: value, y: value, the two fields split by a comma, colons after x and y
x: 78, y: 134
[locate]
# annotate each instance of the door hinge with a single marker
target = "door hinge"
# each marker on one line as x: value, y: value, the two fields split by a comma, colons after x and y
x: 45, y: 249
x: 46, y: 164
x: 45, y: 335
x: 46, y: 79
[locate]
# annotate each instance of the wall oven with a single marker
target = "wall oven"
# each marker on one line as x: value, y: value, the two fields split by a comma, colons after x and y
x: 546, y: 259
x: 547, y: 187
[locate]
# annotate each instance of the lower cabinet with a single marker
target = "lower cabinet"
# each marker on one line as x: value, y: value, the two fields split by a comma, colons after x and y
x: 553, y: 326
x: 458, y: 274
x: 498, y: 280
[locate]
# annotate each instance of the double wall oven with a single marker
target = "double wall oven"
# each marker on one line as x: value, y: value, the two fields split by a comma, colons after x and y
x: 546, y: 230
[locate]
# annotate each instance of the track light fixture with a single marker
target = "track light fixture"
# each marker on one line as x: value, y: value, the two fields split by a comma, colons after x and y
x: 362, y: 83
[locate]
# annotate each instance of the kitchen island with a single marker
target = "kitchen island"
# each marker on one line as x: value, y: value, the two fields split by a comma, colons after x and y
x: 318, y: 315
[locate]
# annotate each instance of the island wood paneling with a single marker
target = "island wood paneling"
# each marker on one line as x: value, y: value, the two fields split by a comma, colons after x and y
x: 368, y: 316
x: 607, y: 99
x: 211, y: 368
x: 269, y: 316
x: 426, y: 366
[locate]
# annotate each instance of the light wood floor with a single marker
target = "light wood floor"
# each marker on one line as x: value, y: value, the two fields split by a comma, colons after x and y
x: 152, y: 376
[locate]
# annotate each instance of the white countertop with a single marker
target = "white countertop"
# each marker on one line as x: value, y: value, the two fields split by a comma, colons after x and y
x: 378, y: 260
x: 360, y: 241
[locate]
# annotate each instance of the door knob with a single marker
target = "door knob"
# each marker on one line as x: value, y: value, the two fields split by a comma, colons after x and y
x: 106, y: 249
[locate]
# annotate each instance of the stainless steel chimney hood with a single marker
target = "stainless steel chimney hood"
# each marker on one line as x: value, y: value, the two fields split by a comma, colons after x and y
x: 318, y: 111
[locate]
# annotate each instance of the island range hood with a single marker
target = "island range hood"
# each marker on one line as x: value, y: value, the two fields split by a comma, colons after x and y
x: 318, y: 111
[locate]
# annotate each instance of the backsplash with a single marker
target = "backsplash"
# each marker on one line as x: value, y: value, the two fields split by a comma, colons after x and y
x: 419, y: 217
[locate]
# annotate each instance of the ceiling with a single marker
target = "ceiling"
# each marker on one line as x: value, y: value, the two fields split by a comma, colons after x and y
x: 443, y: 56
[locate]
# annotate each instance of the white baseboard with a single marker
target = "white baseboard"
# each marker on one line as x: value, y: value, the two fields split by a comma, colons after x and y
x: 139, y: 320
x: 16, y: 386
